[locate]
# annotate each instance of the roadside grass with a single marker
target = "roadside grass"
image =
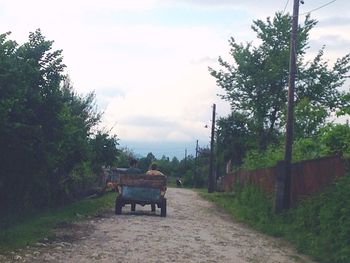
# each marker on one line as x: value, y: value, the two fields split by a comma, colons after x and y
x: 249, y: 205
x: 319, y: 226
x: 34, y: 228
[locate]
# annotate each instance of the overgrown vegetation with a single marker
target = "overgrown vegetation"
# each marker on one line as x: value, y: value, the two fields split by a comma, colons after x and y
x: 254, y: 80
x: 331, y: 140
x: 32, y: 228
x: 319, y: 226
x: 51, y: 151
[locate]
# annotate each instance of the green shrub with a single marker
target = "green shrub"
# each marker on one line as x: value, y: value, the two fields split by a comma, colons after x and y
x: 255, y: 159
x: 336, y: 139
x: 188, y: 179
x: 250, y: 205
x: 318, y: 226
x: 34, y: 227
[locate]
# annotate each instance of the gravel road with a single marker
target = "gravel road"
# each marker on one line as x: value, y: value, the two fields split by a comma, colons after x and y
x: 193, y: 231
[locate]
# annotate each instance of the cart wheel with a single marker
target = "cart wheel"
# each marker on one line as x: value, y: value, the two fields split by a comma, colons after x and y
x: 153, y: 207
x: 163, y: 209
x: 118, y: 206
x: 133, y: 207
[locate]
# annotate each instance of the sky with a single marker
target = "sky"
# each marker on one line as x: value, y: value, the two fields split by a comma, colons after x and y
x: 147, y: 60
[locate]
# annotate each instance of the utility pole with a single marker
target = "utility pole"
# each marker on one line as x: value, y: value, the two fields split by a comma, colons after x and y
x: 185, y: 158
x: 195, y: 166
x: 211, y: 179
x: 290, y: 112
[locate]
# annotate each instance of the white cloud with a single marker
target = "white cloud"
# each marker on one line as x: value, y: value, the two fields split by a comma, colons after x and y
x: 147, y: 70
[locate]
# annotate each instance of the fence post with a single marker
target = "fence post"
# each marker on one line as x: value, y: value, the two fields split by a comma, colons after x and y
x: 280, y: 187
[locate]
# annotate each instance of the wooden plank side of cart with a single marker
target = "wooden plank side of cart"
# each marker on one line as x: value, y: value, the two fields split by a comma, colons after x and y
x: 141, y: 189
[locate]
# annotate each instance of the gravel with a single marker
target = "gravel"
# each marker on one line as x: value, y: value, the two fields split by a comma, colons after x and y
x: 193, y: 231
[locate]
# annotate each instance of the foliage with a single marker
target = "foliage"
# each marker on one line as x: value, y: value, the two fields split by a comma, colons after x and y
x: 319, y: 226
x: 50, y: 151
x: 331, y: 139
x: 255, y: 82
x: 34, y: 227
x: 234, y: 131
x: 193, y: 171
x: 255, y: 159
x: 104, y: 150
x: 168, y: 167
x: 250, y: 196
x: 310, y: 118
x: 307, y: 149
x: 123, y: 158
x: 188, y: 180
x: 250, y: 205
x: 336, y: 139
x: 345, y: 109
x: 201, y: 167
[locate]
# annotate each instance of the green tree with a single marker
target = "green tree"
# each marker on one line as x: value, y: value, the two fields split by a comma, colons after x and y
x: 234, y: 138
x: 48, y: 143
x: 30, y: 100
x: 336, y: 139
x: 310, y: 116
x: 165, y: 165
x: 175, y: 165
x: 104, y: 151
x: 255, y: 82
x: 345, y: 109
x: 123, y: 158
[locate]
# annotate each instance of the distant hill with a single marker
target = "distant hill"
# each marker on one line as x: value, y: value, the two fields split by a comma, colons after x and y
x: 160, y: 148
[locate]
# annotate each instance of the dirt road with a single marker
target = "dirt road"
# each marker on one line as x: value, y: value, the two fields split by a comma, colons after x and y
x: 193, y: 231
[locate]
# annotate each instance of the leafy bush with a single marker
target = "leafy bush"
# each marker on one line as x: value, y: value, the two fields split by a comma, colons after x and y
x: 257, y: 159
x: 49, y: 140
x: 256, y: 208
x: 332, y: 139
x: 320, y: 225
x: 250, y: 205
x: 336, y: 139
x: 188, y: 179
x: 307, y: 148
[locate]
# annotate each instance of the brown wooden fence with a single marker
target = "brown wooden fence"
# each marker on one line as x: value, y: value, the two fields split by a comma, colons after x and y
x: 307, y: 177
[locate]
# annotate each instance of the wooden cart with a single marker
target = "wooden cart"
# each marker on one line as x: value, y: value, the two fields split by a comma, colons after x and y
x: 143, y: 190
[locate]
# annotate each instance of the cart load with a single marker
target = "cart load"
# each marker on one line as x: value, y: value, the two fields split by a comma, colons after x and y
x: 141, y: 189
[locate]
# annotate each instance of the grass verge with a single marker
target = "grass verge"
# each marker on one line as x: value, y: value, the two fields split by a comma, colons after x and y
x: 36, y: 227
x: 319, y: 226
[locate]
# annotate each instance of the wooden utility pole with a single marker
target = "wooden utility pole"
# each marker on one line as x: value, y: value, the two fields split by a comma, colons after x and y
x: 211, y: 179
x: 290, y: 113
x: 195, y: 176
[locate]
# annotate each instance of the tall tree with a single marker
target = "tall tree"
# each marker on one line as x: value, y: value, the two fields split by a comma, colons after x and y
x: 234, y: 137
x: 255, y: 82
x: 48, y: 146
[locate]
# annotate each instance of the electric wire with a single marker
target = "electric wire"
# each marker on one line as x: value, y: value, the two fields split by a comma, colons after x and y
x: 318, y: 8
x: 285, y: 7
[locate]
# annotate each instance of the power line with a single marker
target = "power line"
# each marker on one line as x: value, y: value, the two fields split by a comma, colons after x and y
x: 285, y: 7
x: 318, y: 8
